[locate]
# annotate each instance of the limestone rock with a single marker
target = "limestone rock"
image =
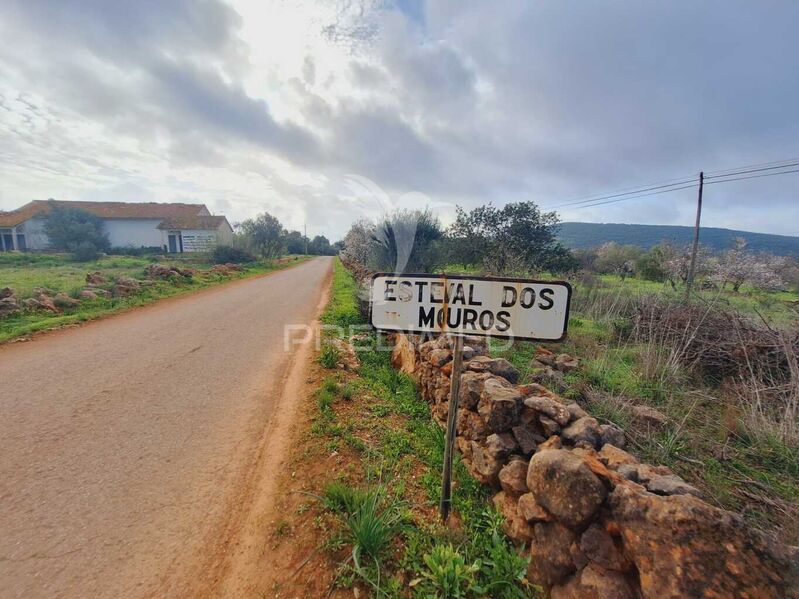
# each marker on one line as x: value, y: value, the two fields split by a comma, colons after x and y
x: 439, y: 357
x: 599, y: 547
x: 576, y: 411
x: 529, y: 509
x: 670, y: 484
x: 499, y: 406
x: 613, y: 457
x: 566, y: 363
x: 551, y: 554
x: 470, y: 426
x: 516, y: 528
x: 500, y: 445
x: 525, y: 438
x: 485, y: 467
x: 548, y: 426
x: 62, y: 300
x: 513, y: 477
x: 87, y: 294
x: 610, y: 433
x: 545, y: 356
x: 584, y: 430
x: 683, y: 547
x: 128, y: 282
x: 565, y: 486
x: 8, y: 306
x: 648, y: 417
x: 549, y: 407
x: 498, y: 366
x: 403, y: 354
x: 471, y: 388
x: 594, y: 582
x: 552, y: 443
x: 6, y: 292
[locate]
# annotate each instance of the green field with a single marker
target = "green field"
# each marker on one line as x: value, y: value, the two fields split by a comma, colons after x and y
x: 57, y: 272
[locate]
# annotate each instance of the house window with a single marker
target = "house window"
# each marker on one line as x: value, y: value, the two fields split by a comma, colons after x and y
x: 21, y: 245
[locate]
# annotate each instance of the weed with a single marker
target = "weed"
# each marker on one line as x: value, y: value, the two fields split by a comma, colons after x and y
x: 448, y: 575
x: 329, y: 355
x: 341, y: 497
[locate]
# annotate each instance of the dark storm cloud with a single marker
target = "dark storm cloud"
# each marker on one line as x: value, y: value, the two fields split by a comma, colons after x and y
x: 468, y: 102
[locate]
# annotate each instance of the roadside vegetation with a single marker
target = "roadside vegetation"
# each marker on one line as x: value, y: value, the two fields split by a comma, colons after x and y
x: 28, y: 274
x: 721, y: 368
x: 377, y: 516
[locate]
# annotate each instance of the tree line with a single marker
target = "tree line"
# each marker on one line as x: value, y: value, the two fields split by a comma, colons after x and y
x: 515, y: 239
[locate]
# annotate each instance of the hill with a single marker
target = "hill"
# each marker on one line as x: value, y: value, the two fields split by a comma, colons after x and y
x: 585, y: 235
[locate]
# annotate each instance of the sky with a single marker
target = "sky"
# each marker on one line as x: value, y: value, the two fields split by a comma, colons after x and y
x: 322, y: 113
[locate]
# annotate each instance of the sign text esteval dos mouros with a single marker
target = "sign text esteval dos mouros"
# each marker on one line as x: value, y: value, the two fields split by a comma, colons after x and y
x: 486, y: 306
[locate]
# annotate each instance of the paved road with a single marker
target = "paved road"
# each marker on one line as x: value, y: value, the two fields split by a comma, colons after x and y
x: 126, y: 444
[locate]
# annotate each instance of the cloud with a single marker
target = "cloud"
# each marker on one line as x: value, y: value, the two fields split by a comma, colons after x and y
x: 262, y: 105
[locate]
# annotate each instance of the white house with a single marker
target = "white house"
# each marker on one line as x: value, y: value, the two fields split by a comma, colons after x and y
x: 174, y: 228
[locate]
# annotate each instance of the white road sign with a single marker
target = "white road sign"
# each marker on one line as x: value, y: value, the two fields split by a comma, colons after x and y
x: 491, y: 307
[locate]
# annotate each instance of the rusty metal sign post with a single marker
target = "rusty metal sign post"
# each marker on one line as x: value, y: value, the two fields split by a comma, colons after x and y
x: 452, y: 419
x: 461, y: 305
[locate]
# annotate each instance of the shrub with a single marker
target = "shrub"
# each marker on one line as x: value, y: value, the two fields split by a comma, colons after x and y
x: 223, y: 254
x: 85, y: 251
x: 67, y: 228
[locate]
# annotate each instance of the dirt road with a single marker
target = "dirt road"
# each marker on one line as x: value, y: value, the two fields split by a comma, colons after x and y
x: 128, y: 446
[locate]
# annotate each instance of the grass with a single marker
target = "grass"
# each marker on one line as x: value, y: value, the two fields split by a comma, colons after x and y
x: 24, y: 272
x: 707, y: 442
x: 387, y: 509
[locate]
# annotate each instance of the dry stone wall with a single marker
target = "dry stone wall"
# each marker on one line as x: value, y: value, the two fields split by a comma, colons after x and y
x: 596, y: 521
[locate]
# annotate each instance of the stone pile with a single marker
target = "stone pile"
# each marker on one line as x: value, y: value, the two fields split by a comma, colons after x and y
x: 226, y: 269
x: 9, y: 304
x: 596, y: 521
x: 161, y: 271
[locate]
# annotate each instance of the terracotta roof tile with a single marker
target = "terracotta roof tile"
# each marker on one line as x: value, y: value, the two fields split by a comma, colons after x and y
x: 143, y: 210
x: 192, y: 222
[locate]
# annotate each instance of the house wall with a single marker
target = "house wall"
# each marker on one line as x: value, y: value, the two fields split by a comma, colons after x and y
x: 133, y: 232
x: 35, y: 237
x: 224, y: 236
x: 198, y: 240
x: 121, y: 233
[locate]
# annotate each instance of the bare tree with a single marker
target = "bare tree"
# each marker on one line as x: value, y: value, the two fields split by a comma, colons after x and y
x: 737, y: 266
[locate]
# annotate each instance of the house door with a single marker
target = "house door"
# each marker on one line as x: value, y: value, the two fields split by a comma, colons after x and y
x: 173, y: 243
x: 8, y: 242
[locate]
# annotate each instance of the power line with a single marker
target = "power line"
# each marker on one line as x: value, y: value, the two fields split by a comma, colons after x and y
x: 722, y: 176
x: 754, y: 176
x: 728, y: 171
x: 633, y: 191
x: 643, y: 195
x: 754, y: 170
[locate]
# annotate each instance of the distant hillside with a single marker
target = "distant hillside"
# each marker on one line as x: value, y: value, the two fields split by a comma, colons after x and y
x: 585, y: 235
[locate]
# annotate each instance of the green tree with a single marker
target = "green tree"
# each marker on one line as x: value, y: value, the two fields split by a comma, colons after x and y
x: 515, y: 238
x: 75, y: 230
x: 408, y: 241
x: 265, y: 235
x: 295, y: 242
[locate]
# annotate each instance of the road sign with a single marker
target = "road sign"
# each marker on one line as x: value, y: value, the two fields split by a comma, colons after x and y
x: 462, y: 305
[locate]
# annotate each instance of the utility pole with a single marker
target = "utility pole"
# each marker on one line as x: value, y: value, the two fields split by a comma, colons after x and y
x: 306, y: 238
x: 690, y: 281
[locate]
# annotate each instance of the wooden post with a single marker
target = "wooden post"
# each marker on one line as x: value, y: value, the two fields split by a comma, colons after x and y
x: 452, y: 419
x: 690, y: 281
